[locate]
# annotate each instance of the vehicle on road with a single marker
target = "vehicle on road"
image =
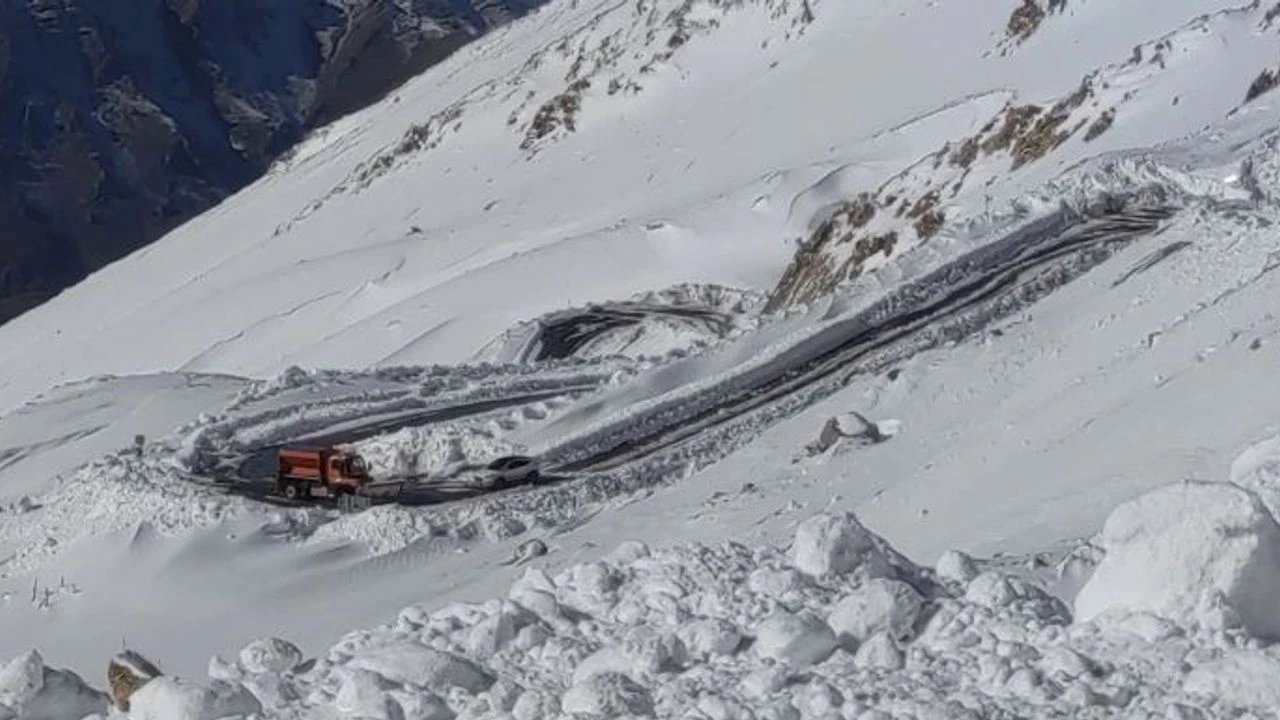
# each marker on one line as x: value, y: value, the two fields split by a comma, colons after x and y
x: 510, y: 470
x: 303, y: 473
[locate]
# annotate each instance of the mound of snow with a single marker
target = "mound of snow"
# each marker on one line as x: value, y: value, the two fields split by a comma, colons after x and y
x: 171, y: 698
x: 710, y: 637
x: 413, y: 664
x: 21, y: 679
x: 431, y: 451
x: 879, y: 606
x: 1183, y: 548
x: 608, y: 695
x: 270, y: 655
x: 1258, y: 469
x: 838, y: 544
x: 498, y: 630
x: 643, y: 651
x: 116, y: 493
x: 880, y: 651
x: 1245, y: 679
x: 956, y: 567
x: 31, y: 691
x: 797, y: 640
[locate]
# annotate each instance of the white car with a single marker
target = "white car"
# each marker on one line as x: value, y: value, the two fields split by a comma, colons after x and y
x: 510, y: 470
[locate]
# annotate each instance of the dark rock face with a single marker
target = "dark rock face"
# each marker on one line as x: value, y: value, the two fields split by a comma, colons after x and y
x: 120, y: 120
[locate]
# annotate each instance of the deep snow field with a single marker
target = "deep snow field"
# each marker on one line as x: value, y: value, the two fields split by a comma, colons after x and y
x: 886, y: 360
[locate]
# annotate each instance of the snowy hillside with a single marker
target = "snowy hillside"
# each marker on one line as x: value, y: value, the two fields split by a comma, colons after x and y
x: 123, y: 121
x: 995, y: 278
x: 701, y: 141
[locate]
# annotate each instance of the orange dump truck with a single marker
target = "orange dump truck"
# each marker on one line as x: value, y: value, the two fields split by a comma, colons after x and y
x: 327, y: 472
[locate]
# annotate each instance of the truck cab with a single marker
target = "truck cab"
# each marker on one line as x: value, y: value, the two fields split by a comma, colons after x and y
x: 347, y: 471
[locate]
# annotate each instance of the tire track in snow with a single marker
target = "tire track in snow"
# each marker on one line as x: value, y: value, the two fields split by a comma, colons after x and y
x: 985, y: 279
x: 254, y: 468
x: 696, y: 430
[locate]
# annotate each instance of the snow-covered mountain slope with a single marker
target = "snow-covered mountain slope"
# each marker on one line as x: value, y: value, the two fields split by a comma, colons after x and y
x: 596, y: 150
x: 1079, y: 312
x: 73, y: 423
x: 123, y: 121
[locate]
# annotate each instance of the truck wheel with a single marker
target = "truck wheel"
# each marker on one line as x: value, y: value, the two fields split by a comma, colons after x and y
x: 292, y: 491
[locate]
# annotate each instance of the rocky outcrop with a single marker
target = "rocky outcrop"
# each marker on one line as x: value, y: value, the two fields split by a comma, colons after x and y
x: 1261, y: 85
x: 1028, y: 16
x: 853, y: 426
x: 122, y: 120
x: 875, y: 226
x: 127, y: 673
